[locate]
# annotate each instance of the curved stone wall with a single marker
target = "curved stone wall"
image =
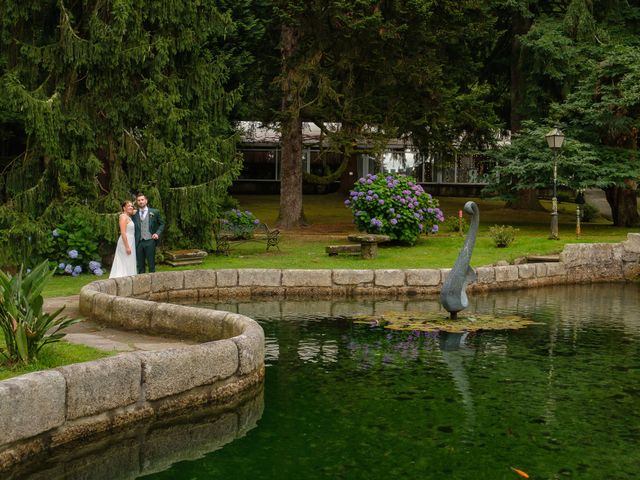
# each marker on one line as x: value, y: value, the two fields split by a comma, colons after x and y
x: 45, y: 409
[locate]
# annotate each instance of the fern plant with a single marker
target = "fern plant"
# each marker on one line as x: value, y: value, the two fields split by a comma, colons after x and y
x: 26, y: 327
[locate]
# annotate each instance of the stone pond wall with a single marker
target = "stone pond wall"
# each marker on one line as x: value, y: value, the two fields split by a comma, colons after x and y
x: 45, y: 409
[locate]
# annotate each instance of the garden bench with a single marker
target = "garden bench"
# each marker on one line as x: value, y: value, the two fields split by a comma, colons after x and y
x: 368, y: 243
x: 226, y: 234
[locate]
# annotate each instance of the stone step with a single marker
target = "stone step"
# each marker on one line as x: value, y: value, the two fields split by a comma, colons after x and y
x: 543, y: 258
x: 336, y: 249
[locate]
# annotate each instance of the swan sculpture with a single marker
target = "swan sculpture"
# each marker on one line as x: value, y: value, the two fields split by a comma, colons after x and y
x: 453, y: 295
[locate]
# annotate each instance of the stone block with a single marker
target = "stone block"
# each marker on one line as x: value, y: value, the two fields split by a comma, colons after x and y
x: 124, y: 286
x: 389, y: 278
x: 259, y: 277
x: 506, y: 274
x: 164, y: 372
x: 165, y: 281
x: 444, y: 273
x: 102, y: 385
x: 632, y: 243
x: 176, y: 320
x: 631, y: 271
x: 485, y: 275
x: 141, y: 284
x: 527, y: 270
x: 132, y: 313
x: 101, y: 308
x: 352, y: 277
x: 31, y: 404
x: 423, y: 277
x: 556, y: 269
x: 87, y: 293
x: 541, y: 269
x: 579, y: 254
x: 194, y: 279
x: 106, y: 286
x: 250, y: 344
x: 306, y: 278
x: 227, y: 278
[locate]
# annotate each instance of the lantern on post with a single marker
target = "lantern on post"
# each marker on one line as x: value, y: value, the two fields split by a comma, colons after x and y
x: 555, y: 139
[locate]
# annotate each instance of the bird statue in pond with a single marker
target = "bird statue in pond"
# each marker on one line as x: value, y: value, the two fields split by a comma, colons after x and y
x: 453, y: 295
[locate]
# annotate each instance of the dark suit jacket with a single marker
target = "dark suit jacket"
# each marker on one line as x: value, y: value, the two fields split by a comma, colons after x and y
x: 156, y: 224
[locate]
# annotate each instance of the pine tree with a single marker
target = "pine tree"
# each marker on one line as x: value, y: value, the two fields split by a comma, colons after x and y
x: 105, y: 99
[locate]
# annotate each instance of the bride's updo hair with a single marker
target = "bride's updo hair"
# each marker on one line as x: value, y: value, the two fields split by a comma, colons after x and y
x: 124, y: 204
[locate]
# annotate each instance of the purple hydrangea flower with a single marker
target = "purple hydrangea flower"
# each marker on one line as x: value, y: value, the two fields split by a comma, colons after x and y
x: 93, y: 265
x: 68, y: 268
x: 61, y: 265
x: 77, y: 269
x: 393, y: 221
x: 420, y: 226
x: 256, y: 221
x: 368, y: 198
x: 435, y: 229
x: 392, y: 210
x: 55, y: 233
x: 347, y: 203
x: 73, y: 254
x: 380, y: 202
x: 98, y: 271
x: 75, y: 274
x: 376, y: 223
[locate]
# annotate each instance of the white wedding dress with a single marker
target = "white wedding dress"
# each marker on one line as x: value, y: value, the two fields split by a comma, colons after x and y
x: 123, y: 264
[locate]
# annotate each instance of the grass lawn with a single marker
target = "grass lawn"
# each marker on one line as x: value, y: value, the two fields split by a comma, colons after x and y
x: 51, y: 356
x: 330, y: 222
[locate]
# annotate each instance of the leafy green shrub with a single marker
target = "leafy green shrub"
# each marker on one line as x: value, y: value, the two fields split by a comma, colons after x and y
x: 25, y: 326
x: 72, y: 246
x: 452, y: 224
x: 393, y: 205
x: 588, y: 212
x: 241, y: 222
x: 502, y: 235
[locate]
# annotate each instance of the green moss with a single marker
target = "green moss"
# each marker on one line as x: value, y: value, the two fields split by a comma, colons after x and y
x: 436, y: 321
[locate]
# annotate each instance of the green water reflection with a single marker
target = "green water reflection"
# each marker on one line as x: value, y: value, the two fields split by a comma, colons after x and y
x: 560, y: 399
x: 556, y: 400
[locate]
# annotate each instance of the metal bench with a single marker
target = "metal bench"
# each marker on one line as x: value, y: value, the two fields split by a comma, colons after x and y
x: 226, y: 234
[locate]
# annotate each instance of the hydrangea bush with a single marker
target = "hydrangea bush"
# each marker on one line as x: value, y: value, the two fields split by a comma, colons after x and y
x: 393, y: 205
x: 244, y: 222
x: 73, y: 248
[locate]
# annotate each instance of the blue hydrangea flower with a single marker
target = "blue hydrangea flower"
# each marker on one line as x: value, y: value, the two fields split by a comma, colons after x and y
x: 61, y: 265
x: 93, y: 265
x: 68, y: 268
x: 98, y: 271
x: 73, y: 254
x: 256, y: 221
x: 75, y: 274
x: 77, y: 269
x: 55, y: 233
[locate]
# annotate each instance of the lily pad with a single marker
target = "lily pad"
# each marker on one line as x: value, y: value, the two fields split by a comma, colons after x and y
x: 436, y: 321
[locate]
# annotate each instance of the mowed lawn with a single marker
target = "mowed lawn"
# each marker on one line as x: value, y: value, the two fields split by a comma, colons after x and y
x: 330, y: 222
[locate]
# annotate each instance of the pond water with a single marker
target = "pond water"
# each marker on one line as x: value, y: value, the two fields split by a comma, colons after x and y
x: 559, y: 399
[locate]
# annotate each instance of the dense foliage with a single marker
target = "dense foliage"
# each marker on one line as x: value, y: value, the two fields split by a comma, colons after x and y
x: 99, y: 100
x: 393, y: 205
x: 25, y: 326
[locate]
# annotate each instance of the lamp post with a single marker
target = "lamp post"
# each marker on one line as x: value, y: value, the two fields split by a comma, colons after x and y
x: 555, y: 138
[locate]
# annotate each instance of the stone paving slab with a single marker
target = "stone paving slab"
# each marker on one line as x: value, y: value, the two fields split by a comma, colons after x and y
x: 107, y: 339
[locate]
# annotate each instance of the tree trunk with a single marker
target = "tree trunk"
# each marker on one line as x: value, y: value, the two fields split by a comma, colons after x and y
x: 526, y: 199
x: 624, y: 204
x: 291, y: 213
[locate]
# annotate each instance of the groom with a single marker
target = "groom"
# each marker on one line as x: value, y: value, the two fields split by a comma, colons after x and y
x: 149, y: 227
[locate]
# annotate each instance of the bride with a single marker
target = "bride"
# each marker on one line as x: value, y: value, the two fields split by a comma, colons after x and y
x: 124, y: 261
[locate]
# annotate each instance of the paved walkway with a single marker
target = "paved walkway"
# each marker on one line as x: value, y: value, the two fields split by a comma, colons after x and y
x: 105, y: 338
